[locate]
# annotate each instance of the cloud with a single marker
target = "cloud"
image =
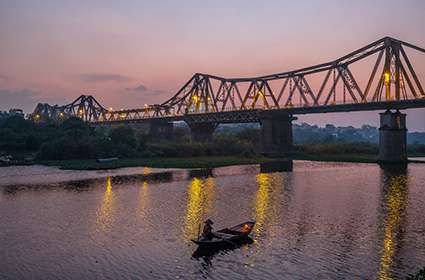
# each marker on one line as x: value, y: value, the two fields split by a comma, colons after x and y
x: 145, y: 90
x: 103, y: 77
x: 137, y: 96
x: 139, y: 88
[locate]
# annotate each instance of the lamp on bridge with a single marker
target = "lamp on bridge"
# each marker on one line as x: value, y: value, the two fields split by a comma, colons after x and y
x: 387, y: 82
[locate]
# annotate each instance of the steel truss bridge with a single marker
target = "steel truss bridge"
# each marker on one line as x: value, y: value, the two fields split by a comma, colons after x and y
x: 378, y: 76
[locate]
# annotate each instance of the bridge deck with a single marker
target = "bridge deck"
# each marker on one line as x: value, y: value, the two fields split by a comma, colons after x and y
x: 250, y: 116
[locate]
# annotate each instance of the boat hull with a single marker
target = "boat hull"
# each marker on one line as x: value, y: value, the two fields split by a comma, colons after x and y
x: 228, y: 236
x: 209, y: 251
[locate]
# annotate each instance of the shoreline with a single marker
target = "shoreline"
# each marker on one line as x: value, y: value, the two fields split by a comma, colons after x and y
x: 200, y: 162
x: 197, y: 162
x: 53, y: 172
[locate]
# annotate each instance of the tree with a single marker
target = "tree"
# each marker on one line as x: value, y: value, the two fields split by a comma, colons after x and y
x: 123, y: 135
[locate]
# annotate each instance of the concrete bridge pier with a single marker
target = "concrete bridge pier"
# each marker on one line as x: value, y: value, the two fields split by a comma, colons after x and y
x: 202, y: 132
x: 161, y: 129
x: 276, y: 134
x: 392, y: 137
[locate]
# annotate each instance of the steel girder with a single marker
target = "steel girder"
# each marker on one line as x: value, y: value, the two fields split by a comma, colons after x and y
x: 85, y: 107
x: 245, y: 116
x: 392, y: 78
x: 209, y: 98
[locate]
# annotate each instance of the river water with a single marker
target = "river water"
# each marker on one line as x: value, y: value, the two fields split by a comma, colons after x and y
x: 321, y: 221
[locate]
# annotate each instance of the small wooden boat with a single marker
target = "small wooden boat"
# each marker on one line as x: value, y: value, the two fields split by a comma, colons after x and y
x: 107, y: 159
x: 227, y: 236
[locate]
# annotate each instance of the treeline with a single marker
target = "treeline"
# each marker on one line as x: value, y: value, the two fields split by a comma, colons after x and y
x: 306, y: 133
x: 75, y: 139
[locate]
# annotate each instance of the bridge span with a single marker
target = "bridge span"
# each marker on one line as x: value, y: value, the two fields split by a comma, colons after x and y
x: 379, y: 76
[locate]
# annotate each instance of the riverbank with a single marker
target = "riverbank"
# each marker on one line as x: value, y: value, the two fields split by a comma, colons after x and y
x: 163, y: 162
x: 197, y: 162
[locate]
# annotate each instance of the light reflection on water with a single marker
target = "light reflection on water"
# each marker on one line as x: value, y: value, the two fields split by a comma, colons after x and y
x: 261, y: 201
x: 105, y: 215
x: 269, y: 202
x: 395, y: 201
x: 322, y: 221
x: 143, y: 199
x: 199, y: 205
x: 144, y: 194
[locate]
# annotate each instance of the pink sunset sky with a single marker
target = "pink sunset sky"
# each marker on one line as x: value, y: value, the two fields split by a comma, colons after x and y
x: 128, y: 53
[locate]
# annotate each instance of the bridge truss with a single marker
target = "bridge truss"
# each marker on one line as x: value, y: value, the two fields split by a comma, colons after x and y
x: 85, y: 107
x: 391, y: 80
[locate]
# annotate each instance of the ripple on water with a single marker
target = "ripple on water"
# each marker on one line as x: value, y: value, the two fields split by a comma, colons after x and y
x: 324, y: 220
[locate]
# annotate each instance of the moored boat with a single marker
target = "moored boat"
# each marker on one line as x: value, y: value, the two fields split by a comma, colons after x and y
x: 227, y: 236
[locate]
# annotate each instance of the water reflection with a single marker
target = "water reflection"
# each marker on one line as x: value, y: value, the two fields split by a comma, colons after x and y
x: 146, y: 171
x: 74, y: 186
x: 88, y: 184
x: 208, y: 253
x: 268, y: 199
x: 147, y: 175
x: 143, y: 199
x: 199, y: 205
x: 277, y: 166
x: 326, y: 220
x: 144, y: 193
x: 261, y: 200
x: 395, y: 202
x: 105, y: 212
x: 201, y: 173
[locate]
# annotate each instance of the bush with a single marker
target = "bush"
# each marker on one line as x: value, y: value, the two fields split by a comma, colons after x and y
x: 250, y: 135
x: 338, y: 148
x: 123, y: 135
x: 68, y: 148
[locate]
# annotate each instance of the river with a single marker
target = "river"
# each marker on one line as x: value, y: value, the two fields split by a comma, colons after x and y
x: 321, y: 221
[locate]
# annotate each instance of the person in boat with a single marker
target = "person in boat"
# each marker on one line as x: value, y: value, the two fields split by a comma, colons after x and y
x: 207, y: 230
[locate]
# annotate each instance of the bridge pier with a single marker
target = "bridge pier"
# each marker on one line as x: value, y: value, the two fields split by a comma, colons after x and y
x: 276, y: 134
x: 202, y: 132
x: 161, y: 129
x: 392, y: 137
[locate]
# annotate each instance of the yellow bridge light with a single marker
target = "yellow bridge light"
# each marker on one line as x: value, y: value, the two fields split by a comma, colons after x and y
x: 387, y: 82
x: 61, y: 114
x: 110, y: 109
x: 387, y: 77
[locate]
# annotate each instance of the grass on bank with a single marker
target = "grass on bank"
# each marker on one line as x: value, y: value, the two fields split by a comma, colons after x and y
x: 357, y: 158
x: 197, y: 162
x: 163, y: 162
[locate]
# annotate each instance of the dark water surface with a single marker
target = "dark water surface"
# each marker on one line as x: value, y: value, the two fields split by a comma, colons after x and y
x: 321, y: 221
